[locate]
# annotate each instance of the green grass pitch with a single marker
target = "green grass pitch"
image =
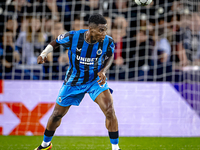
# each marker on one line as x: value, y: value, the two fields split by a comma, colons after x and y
x: 100, y: 143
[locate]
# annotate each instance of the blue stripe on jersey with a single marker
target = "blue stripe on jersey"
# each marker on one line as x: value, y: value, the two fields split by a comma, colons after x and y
x: 81, y: 65
x: 73, y: 58
x: 88, y: 57
x: 75, y: 43
x: 78, y: 56
x: 91, y: 67
x: 73, y: 46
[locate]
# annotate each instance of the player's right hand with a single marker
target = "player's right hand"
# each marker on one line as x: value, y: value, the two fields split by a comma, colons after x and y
x: 40, y: 60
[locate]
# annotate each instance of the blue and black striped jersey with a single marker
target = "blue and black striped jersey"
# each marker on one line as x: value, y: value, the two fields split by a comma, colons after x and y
x: 86, y: 59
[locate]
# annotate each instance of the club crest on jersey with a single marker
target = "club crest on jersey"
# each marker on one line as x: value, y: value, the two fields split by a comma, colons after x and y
x: 99, y: 51
x: 78, y: 49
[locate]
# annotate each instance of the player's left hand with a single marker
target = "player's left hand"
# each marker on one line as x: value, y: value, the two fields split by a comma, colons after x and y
x: 40, y: 60
x: 102, y: 77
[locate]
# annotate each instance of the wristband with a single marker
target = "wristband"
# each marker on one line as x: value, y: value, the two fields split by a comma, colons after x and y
x: 46, y: 51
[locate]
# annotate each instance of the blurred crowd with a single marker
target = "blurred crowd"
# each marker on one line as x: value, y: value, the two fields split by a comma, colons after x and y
x: 152, y: 43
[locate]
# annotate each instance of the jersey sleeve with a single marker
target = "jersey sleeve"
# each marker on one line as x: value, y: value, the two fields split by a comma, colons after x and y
x: 64, y: 39
x: 111, y: 48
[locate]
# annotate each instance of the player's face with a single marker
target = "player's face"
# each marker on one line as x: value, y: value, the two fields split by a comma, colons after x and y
x: 99, y: 32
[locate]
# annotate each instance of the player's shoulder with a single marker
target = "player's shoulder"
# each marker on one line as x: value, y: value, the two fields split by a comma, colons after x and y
x: 78, y: 32
x: 109, y: 38
x: 65, y: 34
x: 82, y: 30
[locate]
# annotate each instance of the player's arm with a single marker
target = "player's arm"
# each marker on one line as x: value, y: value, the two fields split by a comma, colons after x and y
x: 107, y: 63
x: 63, y: 39
x: 50, y: 47
x: 102, y: 73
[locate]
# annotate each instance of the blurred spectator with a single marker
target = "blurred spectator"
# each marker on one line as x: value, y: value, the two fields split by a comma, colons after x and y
x: 117, y: 34
x: 178, y: 51
x: 145, y: 24
x: 109, y: 24
x: 65, y: 13
x: 49, y: 9
x: 60, y: 55
x: 120, y: 7
x: 93, y: 5
x: 166, y: 4
x: 55, y: 10
x: 118, y: 68
x: 31, y: 43
x: 122, y: 23
x: 177, y: 6
x: 140, y: 55
x: 8, y: 56
x: 162, y: 51
x: 10, y: 24
x: 58, y: 60
x: 78, y: 23
x: 24, y: 24
x: 85, y: 8
x: 18, y: 9
x: 131, y: 26
x: 191, y: 37
x: 160, y: 63
x: 146, y: 14
x: 46, y: 27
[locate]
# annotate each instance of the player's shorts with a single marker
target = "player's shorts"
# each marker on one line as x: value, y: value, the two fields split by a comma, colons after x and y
x: 73, y: 95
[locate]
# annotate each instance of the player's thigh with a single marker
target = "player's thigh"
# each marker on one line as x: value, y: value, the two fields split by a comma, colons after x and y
x: 70, y: 95
x: 105, y: 100
x: 95, y: 90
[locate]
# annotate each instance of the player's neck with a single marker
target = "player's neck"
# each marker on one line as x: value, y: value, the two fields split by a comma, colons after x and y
x: 89, y: 38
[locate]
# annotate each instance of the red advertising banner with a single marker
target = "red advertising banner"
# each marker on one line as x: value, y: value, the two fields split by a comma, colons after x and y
x: 1, y: 86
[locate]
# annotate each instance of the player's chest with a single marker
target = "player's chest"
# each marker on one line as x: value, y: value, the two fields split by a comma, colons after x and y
x: 87, y: 50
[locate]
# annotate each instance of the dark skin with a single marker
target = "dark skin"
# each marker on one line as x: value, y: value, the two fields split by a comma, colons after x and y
x: 96, y: 33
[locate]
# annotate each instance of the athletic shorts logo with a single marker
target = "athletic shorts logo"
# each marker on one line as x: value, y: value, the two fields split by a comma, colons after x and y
x: 60, y: 100
x: 99, y: 52
x: 102, y: 85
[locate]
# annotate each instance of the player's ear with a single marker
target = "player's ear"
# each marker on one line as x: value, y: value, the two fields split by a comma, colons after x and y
x: 91, y: 29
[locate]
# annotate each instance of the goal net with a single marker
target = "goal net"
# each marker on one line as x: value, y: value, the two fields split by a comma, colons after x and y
x: 158, y: 42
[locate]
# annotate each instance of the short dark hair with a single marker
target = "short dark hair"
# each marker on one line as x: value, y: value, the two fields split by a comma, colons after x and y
x: 97, y: 19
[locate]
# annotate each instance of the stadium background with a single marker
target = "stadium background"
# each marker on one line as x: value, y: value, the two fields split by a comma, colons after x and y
x: 155, y: 74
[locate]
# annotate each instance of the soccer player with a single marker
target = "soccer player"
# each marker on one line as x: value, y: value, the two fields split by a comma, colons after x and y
x: 90, y: 54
